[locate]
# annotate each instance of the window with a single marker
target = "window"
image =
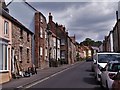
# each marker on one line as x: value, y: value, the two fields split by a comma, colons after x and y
x: 103, y: 58
x: 45, y: 52
x: 28, y: 39
x: 3, y: 57
x: 21, y: 33
x: 58, y: 43
x: 20, y: 55
x: 45, y: 34
x: 41, y: 19
x: 40, y: 51
x: 62, y: 41
x: 41, y: 32
x: 6, y: 27
x: 63, y: 54
x: 27, y: 55
x: 54, y: 41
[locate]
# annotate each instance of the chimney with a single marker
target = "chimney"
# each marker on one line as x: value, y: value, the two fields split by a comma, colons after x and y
x: 64, y: 28
x: 50, y: 17
x: 117, y: 15
x: 3, y: 5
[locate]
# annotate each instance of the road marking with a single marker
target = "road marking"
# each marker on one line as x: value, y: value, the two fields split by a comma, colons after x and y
x: 31, y: 85
x: 37, y: 82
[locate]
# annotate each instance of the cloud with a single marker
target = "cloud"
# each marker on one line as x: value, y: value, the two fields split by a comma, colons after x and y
x: 84, y: 19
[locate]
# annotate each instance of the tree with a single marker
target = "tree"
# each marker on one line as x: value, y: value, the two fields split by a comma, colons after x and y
x: 90, y: 42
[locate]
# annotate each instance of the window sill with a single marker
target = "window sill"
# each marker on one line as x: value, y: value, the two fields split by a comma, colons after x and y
x: 4, y: 71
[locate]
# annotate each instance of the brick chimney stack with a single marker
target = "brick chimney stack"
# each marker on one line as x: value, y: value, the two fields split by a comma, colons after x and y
x: 50, y: 17
x: 117, y: 15
x: 3, y: 5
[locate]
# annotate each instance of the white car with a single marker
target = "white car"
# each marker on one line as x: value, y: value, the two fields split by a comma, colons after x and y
x: 108, y: 73
x: 100, y: 61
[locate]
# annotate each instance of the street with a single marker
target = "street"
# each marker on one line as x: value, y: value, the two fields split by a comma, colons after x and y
x: 77, y: 76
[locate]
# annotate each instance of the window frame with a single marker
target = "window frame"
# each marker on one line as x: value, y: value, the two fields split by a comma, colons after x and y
x: 4, y: 66
x: 6, y: 27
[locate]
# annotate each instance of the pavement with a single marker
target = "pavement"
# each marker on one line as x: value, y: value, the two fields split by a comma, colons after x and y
x: 41, y: 74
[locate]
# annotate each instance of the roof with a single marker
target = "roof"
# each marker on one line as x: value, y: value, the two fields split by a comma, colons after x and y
x: 29, y: 6
x: 9, y: 17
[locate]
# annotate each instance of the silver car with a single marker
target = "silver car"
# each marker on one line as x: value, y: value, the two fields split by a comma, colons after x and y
x: 108, y: 73
x: 100, y: 60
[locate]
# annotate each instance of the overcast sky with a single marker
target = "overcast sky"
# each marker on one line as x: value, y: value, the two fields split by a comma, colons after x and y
x: 84, y: 19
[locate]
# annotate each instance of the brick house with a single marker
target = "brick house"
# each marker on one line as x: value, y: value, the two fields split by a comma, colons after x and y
x: 54, y: 44
x: 21, y: 48
x: 116, y: 36
x: 16, y: 44
x: 109, y: 42
x: 63, y: 35
x: 35, y: 21
x: 41, y: 38
x: 74, y: 51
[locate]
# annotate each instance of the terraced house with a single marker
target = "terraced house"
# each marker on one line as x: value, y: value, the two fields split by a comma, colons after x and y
x: 16, y: 46
x: 36, y: 23
x: 5, y: 46
x: 54, y: 42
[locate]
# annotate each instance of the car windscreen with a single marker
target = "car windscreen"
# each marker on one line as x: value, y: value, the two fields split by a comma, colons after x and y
x: 104, y: 58
x: 115, y: 67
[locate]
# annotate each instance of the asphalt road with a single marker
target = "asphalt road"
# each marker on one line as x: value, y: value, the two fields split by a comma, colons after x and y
x: 77, y: 76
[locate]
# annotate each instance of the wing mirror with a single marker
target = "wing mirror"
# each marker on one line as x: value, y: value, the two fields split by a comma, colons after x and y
x: 95, y: 62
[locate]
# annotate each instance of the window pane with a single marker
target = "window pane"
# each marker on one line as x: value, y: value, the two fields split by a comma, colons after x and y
x: 5, y: 27
x: 4, y: 57
x: 41, y: 50
x: 1, y: 59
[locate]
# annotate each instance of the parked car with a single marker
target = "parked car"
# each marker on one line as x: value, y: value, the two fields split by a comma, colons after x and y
x: 89, y: 59
x: 100, y: 60
x: 116, y: 82
x: 108, y: 73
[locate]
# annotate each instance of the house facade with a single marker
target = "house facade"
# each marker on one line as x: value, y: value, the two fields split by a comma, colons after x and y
x: 54, y: 40
x: 21, y: 49
x: 41, y: 44
x: 116, y: 37
x: 36, y: 23
x: 63, y: 35
x: 74, y: 51
x: 5, y: 47
x: 16, y: 46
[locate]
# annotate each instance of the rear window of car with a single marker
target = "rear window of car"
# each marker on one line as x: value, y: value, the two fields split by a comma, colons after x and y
x: 114, y: 67
x: 104, y: 58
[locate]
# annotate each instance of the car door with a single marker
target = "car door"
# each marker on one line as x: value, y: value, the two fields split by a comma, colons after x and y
x: 104, y: 76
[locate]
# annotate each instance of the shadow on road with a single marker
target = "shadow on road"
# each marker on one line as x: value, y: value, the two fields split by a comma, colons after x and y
x: 90, y: 80
x: 88, y: 70
x: 92, y: 74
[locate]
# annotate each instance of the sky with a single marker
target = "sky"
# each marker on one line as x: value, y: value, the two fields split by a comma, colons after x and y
x: 84, y: 19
